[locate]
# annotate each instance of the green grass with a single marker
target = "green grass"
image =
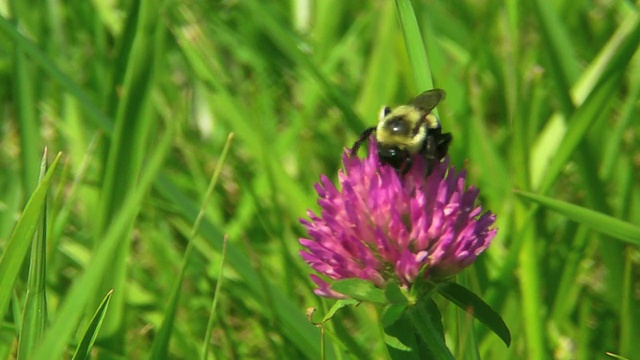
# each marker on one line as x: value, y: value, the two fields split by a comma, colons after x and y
x: 140, y: 98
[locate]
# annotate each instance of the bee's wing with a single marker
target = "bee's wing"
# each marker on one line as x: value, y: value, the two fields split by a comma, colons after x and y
x: 428, y: 99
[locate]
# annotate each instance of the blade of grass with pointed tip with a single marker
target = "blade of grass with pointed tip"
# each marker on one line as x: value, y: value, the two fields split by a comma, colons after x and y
x: 72, y: 307
x: 159, y: 349
x: 91, y: 334
x: 606, y: 224
x: 34, y: 315
x: 18, y: 244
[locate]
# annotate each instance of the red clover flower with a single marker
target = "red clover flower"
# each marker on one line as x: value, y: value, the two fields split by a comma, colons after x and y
x: 380, y: 226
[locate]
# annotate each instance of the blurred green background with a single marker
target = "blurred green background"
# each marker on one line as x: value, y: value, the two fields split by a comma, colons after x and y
x: 141, y: 96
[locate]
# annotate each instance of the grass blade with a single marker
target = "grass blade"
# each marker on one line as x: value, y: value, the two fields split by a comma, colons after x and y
x: 34, y: 315
x: 216, y: 296
x: 83, y: 351
x: 564, y: 64
x: 600, y: 222
x: 18, y: 244
x: 138, y: 60
x: 414, y: 45
x: 160, y: 346
x: 72, y: 308
x: 601, y: 95
x: 31, y: 49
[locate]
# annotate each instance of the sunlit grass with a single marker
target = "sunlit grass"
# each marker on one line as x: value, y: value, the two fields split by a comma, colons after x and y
x: 140, y: 98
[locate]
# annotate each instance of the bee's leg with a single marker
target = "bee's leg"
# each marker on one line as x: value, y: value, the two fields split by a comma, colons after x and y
x: 431, y: 163
x: 428, y: 151
x: 436, y: 148
x: 362, y: 138
x: 442, y: 145
x: 406, y: 166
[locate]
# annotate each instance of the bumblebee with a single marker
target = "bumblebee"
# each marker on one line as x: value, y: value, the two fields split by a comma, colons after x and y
x: 408, y: 130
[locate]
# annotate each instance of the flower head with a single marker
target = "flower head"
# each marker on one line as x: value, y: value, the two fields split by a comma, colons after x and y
x: 380, y: 226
